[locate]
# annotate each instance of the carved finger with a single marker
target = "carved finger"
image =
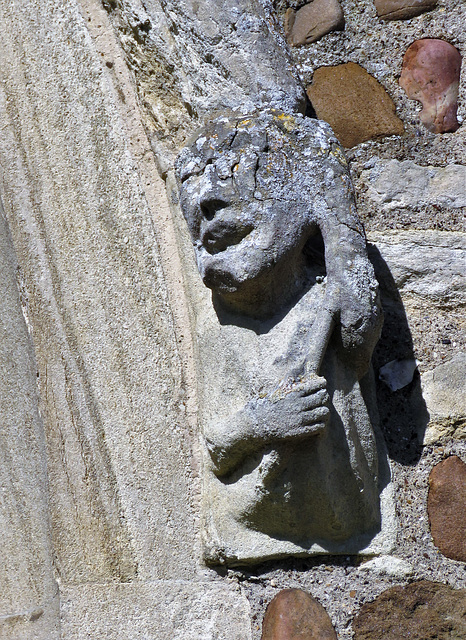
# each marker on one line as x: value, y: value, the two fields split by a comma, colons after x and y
x: 320, y: 414
x: 311, y: 385
x: 304, y: 431
x: 315, y: 400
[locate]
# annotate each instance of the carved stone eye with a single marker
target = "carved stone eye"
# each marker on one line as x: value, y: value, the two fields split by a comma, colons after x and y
x: 210, y: 207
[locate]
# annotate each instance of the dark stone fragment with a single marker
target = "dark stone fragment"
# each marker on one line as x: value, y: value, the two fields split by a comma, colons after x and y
x: 420, y: 611
x: 295, y: 615
x: 446, y: 505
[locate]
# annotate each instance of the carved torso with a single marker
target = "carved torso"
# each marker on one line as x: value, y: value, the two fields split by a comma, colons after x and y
x: 293, y: 462
x: 300, y: 491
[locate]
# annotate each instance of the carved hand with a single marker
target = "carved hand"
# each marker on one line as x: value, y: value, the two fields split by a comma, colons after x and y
x: 294, y: 410
x: 353, y: 296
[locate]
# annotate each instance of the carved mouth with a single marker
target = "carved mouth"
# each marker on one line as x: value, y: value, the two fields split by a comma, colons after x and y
x: 218, y: 237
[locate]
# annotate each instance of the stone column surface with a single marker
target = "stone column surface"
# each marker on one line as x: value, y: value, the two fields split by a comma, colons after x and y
x: 28, y: 591
x: 85, y: 217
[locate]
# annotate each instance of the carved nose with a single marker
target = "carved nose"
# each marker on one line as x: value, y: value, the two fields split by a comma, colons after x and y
x: 210, y: 207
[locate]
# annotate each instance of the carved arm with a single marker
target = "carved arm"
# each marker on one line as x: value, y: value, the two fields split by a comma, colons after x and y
x: 352, y: 290
x: 294, y: 410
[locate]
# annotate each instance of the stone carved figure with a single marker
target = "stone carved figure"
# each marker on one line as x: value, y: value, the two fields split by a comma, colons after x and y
x: 293, y: 465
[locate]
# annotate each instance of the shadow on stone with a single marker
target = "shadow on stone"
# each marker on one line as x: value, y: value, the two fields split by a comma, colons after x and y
x: 299, y: 565
x: 403, y: 413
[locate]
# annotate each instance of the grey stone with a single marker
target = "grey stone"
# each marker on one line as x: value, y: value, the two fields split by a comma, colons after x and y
x: 394, y: 184
x: 161, y: 610
x: 89, y: 220
x: 423, y: 270
x: 257, y: 192
x: 193, y: 58
x: 425, y: 265
x: 444, y: 393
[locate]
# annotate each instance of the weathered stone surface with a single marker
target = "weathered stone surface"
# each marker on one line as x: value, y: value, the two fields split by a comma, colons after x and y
x: 313, y: 21
x: 420, y: 611
x: 431, y: 74
x: 444, y: 393
x: 428, y: 265
x: 279, y: 476
x: 394, y: 184
x: 123, y: 478
x: 356, y: 106
x: 161, y: 610
x: 28, y: 590
x: 295, y: 615
x: 446, y: 507
x: 388, y: 566
x: 193, y: 58
x: 402, y: 9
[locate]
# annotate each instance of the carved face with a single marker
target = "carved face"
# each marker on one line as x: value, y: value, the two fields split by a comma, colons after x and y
x: 253, y: 190
x: 245, y: 217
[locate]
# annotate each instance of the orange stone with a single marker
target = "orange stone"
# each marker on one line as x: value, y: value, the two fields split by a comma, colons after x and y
x: 446, y: 505
x: 295, y: 615
x: 355, y: 105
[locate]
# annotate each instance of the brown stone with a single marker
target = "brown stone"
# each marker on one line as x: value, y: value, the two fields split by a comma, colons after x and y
x: 446, y: 505
x: 402, y: 9
x: 295, y: 615
x: 355, y: 105
x: 313, y: 21
x: 431, y: 74
x: 420, y: 611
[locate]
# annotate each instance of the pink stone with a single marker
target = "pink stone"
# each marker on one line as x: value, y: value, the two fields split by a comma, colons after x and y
x: 431, y: 74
